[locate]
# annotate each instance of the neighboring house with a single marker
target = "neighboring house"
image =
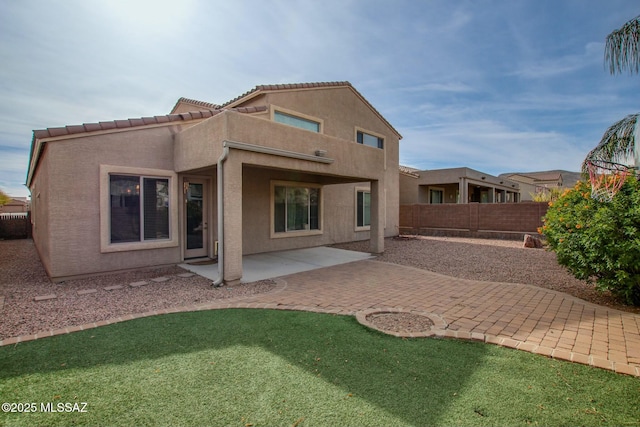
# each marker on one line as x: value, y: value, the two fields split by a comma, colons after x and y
x: 279, y: 167
x: 533, y: 183
x: 455, y: 185
x: 16, y: 205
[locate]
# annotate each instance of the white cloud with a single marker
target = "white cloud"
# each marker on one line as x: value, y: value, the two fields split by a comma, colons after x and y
x: 545, y: 67
x: 14, y: 172
x: 454, y: 87
x: 494, y: 88
x: 490, y: 147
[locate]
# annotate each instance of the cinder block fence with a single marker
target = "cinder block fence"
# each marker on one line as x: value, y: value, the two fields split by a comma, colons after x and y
x: 488, y: 220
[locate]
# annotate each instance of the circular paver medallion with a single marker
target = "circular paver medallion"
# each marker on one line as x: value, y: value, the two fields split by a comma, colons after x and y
x: 402, y: 323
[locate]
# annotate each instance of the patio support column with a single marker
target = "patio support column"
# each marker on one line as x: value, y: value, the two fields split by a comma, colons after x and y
x: 377, y: 217
x: 232, y: 211
x: 463, y: 190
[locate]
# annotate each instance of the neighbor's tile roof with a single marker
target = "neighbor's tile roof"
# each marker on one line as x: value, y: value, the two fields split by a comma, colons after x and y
x: 409, y: 171
x: 543, y: 176
x: 536, y: 176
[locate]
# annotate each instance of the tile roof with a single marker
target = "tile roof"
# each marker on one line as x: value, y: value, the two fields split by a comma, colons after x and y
x: 409, y: 171
x: 120, y: 124
x: 288, y: 86
x: 542, y: 176
x: 40, y: 134
x: 132, y: 123
x: 196, y: 103
x: 213, y: 109
x: 292, y: 86
x: 536, y: 176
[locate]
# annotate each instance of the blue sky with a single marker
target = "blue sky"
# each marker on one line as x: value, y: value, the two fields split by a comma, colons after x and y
x: 497, y: 86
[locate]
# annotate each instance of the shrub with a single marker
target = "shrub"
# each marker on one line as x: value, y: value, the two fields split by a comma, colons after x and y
x: 4, y: 199
x: 546, y: 195
x: 598, y: 241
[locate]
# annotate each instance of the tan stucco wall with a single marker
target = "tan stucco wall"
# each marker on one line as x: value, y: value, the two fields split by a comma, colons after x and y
x: 69, y: 176
x: 417, y: 190
x: 449, y: 192
x: 197, y: 147
x: 340, y: 109
x: 408, y: 189
x: 73, y: 199
x: 14, y: 206
x: 337, y: 211
x: 200, y: 146
x: 40, y: 212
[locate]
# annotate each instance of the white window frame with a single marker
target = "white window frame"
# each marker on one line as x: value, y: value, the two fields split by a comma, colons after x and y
x: 361, y: 190
x: 275, y: 109
x: 296, y: 233
x: 105, y: 209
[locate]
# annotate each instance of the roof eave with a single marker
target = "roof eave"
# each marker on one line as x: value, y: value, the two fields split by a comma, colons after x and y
x: 258, y: 90
x: 42, y: 136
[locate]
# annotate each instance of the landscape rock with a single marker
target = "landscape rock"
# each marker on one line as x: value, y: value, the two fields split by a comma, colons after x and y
x: 532, y: 242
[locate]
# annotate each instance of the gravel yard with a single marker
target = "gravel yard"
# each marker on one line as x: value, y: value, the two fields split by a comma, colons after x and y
x: 22, y: 278
x: 492, y: 260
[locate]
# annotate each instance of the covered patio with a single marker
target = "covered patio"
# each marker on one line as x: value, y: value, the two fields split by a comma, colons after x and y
x: 281, y: 263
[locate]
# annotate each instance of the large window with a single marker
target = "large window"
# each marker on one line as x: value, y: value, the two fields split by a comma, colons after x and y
x: 370, y: 140
x: 363, y: 208
x: 139, y: 208
x: 296, y: 208
x: 299, y: 122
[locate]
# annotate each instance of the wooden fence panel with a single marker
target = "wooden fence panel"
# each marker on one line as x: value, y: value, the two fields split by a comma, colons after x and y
x: 15, y: 226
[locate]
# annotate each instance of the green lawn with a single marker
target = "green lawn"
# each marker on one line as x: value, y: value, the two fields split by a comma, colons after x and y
x: 262, y: 367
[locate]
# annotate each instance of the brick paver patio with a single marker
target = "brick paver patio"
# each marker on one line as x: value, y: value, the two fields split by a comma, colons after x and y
x: 525, y: 317
x: 519, y: 316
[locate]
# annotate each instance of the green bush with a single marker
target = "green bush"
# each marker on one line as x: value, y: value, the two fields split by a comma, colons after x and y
x: 599, y: 241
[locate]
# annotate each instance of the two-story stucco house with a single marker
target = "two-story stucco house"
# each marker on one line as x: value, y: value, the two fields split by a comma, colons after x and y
x: 279, y: 167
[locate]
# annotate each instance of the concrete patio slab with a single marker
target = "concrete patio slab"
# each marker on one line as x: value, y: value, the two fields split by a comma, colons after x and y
x: 282, y: 263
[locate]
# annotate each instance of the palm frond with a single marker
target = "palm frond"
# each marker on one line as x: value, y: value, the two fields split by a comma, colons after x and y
x: 617, y: 144
x: 622, y: 50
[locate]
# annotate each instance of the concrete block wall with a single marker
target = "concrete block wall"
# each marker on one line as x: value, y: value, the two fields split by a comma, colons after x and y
x: 473, y: 219
x: 511, y: 216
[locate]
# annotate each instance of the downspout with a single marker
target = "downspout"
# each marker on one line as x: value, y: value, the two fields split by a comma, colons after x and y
x: 220, y: 197
x: 227, y: 145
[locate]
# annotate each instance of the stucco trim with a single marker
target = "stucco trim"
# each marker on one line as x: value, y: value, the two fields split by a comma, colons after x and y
x: 105, y: 224
x: 276, y: 152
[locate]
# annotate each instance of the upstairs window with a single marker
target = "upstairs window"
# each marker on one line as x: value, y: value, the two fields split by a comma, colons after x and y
x: 296, y: 121
x: 370, y: 140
